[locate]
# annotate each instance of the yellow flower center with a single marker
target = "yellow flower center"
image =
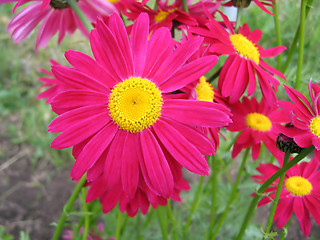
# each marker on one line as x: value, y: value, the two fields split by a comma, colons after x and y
x: 204, y: 90
x: 298, y: 186
x: 258, y: 121
x: 162, y: 15
x: 113, y: 1
x: 315, y: 126
x: 135, y: 104
x: 245, y: 47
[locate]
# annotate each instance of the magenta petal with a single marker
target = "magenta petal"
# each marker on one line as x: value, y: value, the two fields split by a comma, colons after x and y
x: 154, y: 166
x: 181, y: 149
x: 199, y: 140
x: 110, y: 199
x: 196, y: 113
x: 305, y: 224
x: 189, y: 73
x: 80, y: 131
x: 112, y: 167
x: 96, y: 190
x: 139, y: 41
x: 177, y: 59
x: 93, y: 150
x: 89, y: 66
x: 284, y: 211
x: 130, y: 165
x: 312, y: 204
x: 298, y: 207
x: 271, y: 52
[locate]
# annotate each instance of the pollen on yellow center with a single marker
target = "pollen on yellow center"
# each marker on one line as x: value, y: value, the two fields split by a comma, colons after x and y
x: 162, y: 15
x: 113, y: 1
x: 258, y: 121
x: 245, y: 47
x: 298, y: 186
x: 315, y: 126
x: 204, y: 90
x: 135, y: 104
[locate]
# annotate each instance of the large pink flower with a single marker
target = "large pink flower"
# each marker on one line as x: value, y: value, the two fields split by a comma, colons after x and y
x: 54, y: 16
x: 300, y: 193
x: 244, y: 61
x: 306, y: 118
x: 118, y: 118
x: 257, y: 122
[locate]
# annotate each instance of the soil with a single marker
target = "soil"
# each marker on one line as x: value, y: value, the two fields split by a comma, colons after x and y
x: 31, y: 197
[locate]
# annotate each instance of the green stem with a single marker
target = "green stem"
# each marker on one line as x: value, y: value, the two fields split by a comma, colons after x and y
x: 172, y: 220
x: 119, y: 223
x: 214, y: 179
x: 73, y: 4
x: 295, y: 40
x: 185, y: 6
x: 232, y: 195
x: 266, y: 184
x: 86, y: 217
x: 276, y: 198
x: 163, y: 225
x: 238, y: 21
x: 285, y: 230
x: 301, y: 42
x: 278, y: 32
x: 194, y: 206
x: 67, y: 208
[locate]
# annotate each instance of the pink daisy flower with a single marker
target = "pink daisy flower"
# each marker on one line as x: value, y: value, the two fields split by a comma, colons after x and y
x: 260, y: 3
x: 257, y: 122
x: 244, y: 62
x: 306, y: 118
x: 119, y: 117
x: 54, y: 16
x: 93, y: 235
x: 300, y: 193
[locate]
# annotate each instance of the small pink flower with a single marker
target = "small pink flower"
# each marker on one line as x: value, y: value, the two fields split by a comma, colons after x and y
x: 300, y: 193
x: 257, y: 122
x: 306, y: 117
x: 54, y: 16
x: 244, y: 62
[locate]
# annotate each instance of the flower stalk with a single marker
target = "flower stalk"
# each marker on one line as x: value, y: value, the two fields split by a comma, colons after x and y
x: 278, y: 32
x: 67, y: 208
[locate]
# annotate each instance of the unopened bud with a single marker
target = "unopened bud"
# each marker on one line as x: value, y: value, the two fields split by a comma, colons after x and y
x: 241, y: 3
x: 287, y: 144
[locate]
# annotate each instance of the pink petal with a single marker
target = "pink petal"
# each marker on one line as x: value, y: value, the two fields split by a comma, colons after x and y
x: 181, y: 149
x: 93, y: 150
x: 154, y: 166
x: 196, y: 113
x: 298, y: 207
x: 189, y: 73
x: 271, y: 52
x: 139, y: 40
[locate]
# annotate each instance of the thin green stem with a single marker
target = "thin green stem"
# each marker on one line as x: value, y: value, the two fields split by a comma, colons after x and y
x: 86, y: 217
x: 266, y: 184
x: 238, y: 21
x: 185, y: 6
x: 232, y: 194
x: 214, y: 180
x: 224, y: 167
x: 295, y: 41
x: 276, y: 197
x: 285, y: 230
x: 163, y: 225
x: 73, y: 4
x: 172, y: 221
x: 194, y: 206
x: 278, y: 32
x: 301, y: 42
x: 67, y: 208
x: 119, y: 223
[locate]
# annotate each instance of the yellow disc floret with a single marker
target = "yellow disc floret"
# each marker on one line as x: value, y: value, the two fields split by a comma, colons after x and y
x: 245, y: 47
x: 135, y: 104
x: 162, y: 15
x: 315, y: 126
x: 258, y: 121
x: 204, y: 90
x: 113, y: 1
x: 298, y: 186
